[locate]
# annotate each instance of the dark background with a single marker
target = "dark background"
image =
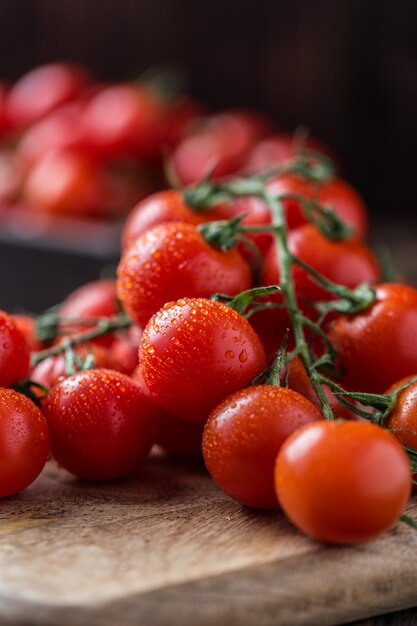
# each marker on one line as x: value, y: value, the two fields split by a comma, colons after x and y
x: 345, y: 68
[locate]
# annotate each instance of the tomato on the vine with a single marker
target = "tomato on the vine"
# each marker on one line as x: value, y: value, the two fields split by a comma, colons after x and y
x: 27, y: 326
x: 336, y: 194
x: 403, y: 418
x: 347, y: 263
x: 195, y: 352
x: 14, y: 352
x: 162, y: 207
x: 172, y: 261
x: 101, y: 425
x: 342, y: 482
x: 378, y: 346
x: 24, y: 442
x: 42, y: 90
x: 242, y: 438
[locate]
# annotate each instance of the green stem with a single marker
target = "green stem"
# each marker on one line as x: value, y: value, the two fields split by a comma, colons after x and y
x: 104, y: 326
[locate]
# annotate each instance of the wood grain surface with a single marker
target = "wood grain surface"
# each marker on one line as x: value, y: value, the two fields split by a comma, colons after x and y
x: 166, y: 547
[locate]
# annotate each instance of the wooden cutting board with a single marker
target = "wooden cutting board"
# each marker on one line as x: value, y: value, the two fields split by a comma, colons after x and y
x: 167, y: 548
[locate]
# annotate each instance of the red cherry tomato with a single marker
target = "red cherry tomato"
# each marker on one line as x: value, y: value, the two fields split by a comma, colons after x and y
x: 95, y: 300
x: 277, y: 149
x: 123, y: 120
x: 14, y: 352
x: 256, y: 213
x: 65, y: 182
x: 242, y: 438
x: 336, y: 195
x: 299, y: 381
x: 271, y: 326
x: 162, y: 207
x: 50, y: 371
x: 347, y: 263
x: 194, y: 353
x: 175, y: 436
x: 403, y: 419
x: 59, y: 130
x: 27, y: 326
x: 24, y: 442
x: 342, y: 482
x: 125, y: 352
x: 364, y: 341
x: 42, y: 90
x: 100, y: 423
x: 221, y: 142
x: 173, y: 261
x: 4, y: 125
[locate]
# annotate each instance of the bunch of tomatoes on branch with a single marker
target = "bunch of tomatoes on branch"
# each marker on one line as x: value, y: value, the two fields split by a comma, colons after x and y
x: 249, y: 323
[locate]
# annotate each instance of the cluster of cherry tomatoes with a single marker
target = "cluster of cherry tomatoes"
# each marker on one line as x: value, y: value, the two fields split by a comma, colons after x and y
x: 214, y: 340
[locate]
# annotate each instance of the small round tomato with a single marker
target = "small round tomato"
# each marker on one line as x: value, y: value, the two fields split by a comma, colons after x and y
x: 100, y: 423
x: 221, y: 142
x: 347, y: 263
x: 256, y: 213
x: 403, y: 418
x: 175, y: 436
x: 162, y: 207
x: 14, y: 352
x: 24, y: 442
x: 336, y: 195
x: 64, y: 182
x: 299, y: 381
x: 242, y: 438
x: 124, y: 349
x: 173, y: 261
x: 42, y: 90
x: 123, y: 120
x: 195, y: 352
x: 342, y: 482
x: 378, y: 346
x: 277, y: 149
x: 51, y: 370
x: 27, y: 326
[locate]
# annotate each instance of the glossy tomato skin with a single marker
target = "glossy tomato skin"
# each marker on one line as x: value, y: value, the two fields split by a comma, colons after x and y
x: 194, y: 353
x: 65, y: 182
x: 27, y: 326
x: 175, y: 436
x: 403, y: 419
x: 336, y: 195
x: 42, y: 90
x: 347, y: 263
x: 342, y: 482
x: 162, y: 207
x: 242, y: 438
x: 256, y: 213
x: 173, y: 261
x: 24, y: 442
x: 378, y: 346
x: 101, y: 425
x: 14, y: 352
x: 123, y: 120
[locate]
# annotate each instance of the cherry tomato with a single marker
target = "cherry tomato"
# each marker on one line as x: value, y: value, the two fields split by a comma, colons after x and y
x: 347, y: 263
x: 95, y: 300
x: 342, y: 482
x: 256, y: 213
x: 242, y: 438
x: 194, y: 353
x: 123, y: 120
x: 173, y: 261
x: 100, y: 423
x: 299, y: 381
x: 221, y: 142
x: 378, y: 346
x: 24, y: 442
x: 336, y: 195
x: 277, y: 149
x: 271, y: 326
x: 65, y: 182
x: 42, y: 90
x: 14, y: 352
x: 162, y: 207
x: 175, y: 436
x: 27, y: 326
x: 4, y: 125
x: 50, y: 371
x: 403, y: 418
x: 125, y: 352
